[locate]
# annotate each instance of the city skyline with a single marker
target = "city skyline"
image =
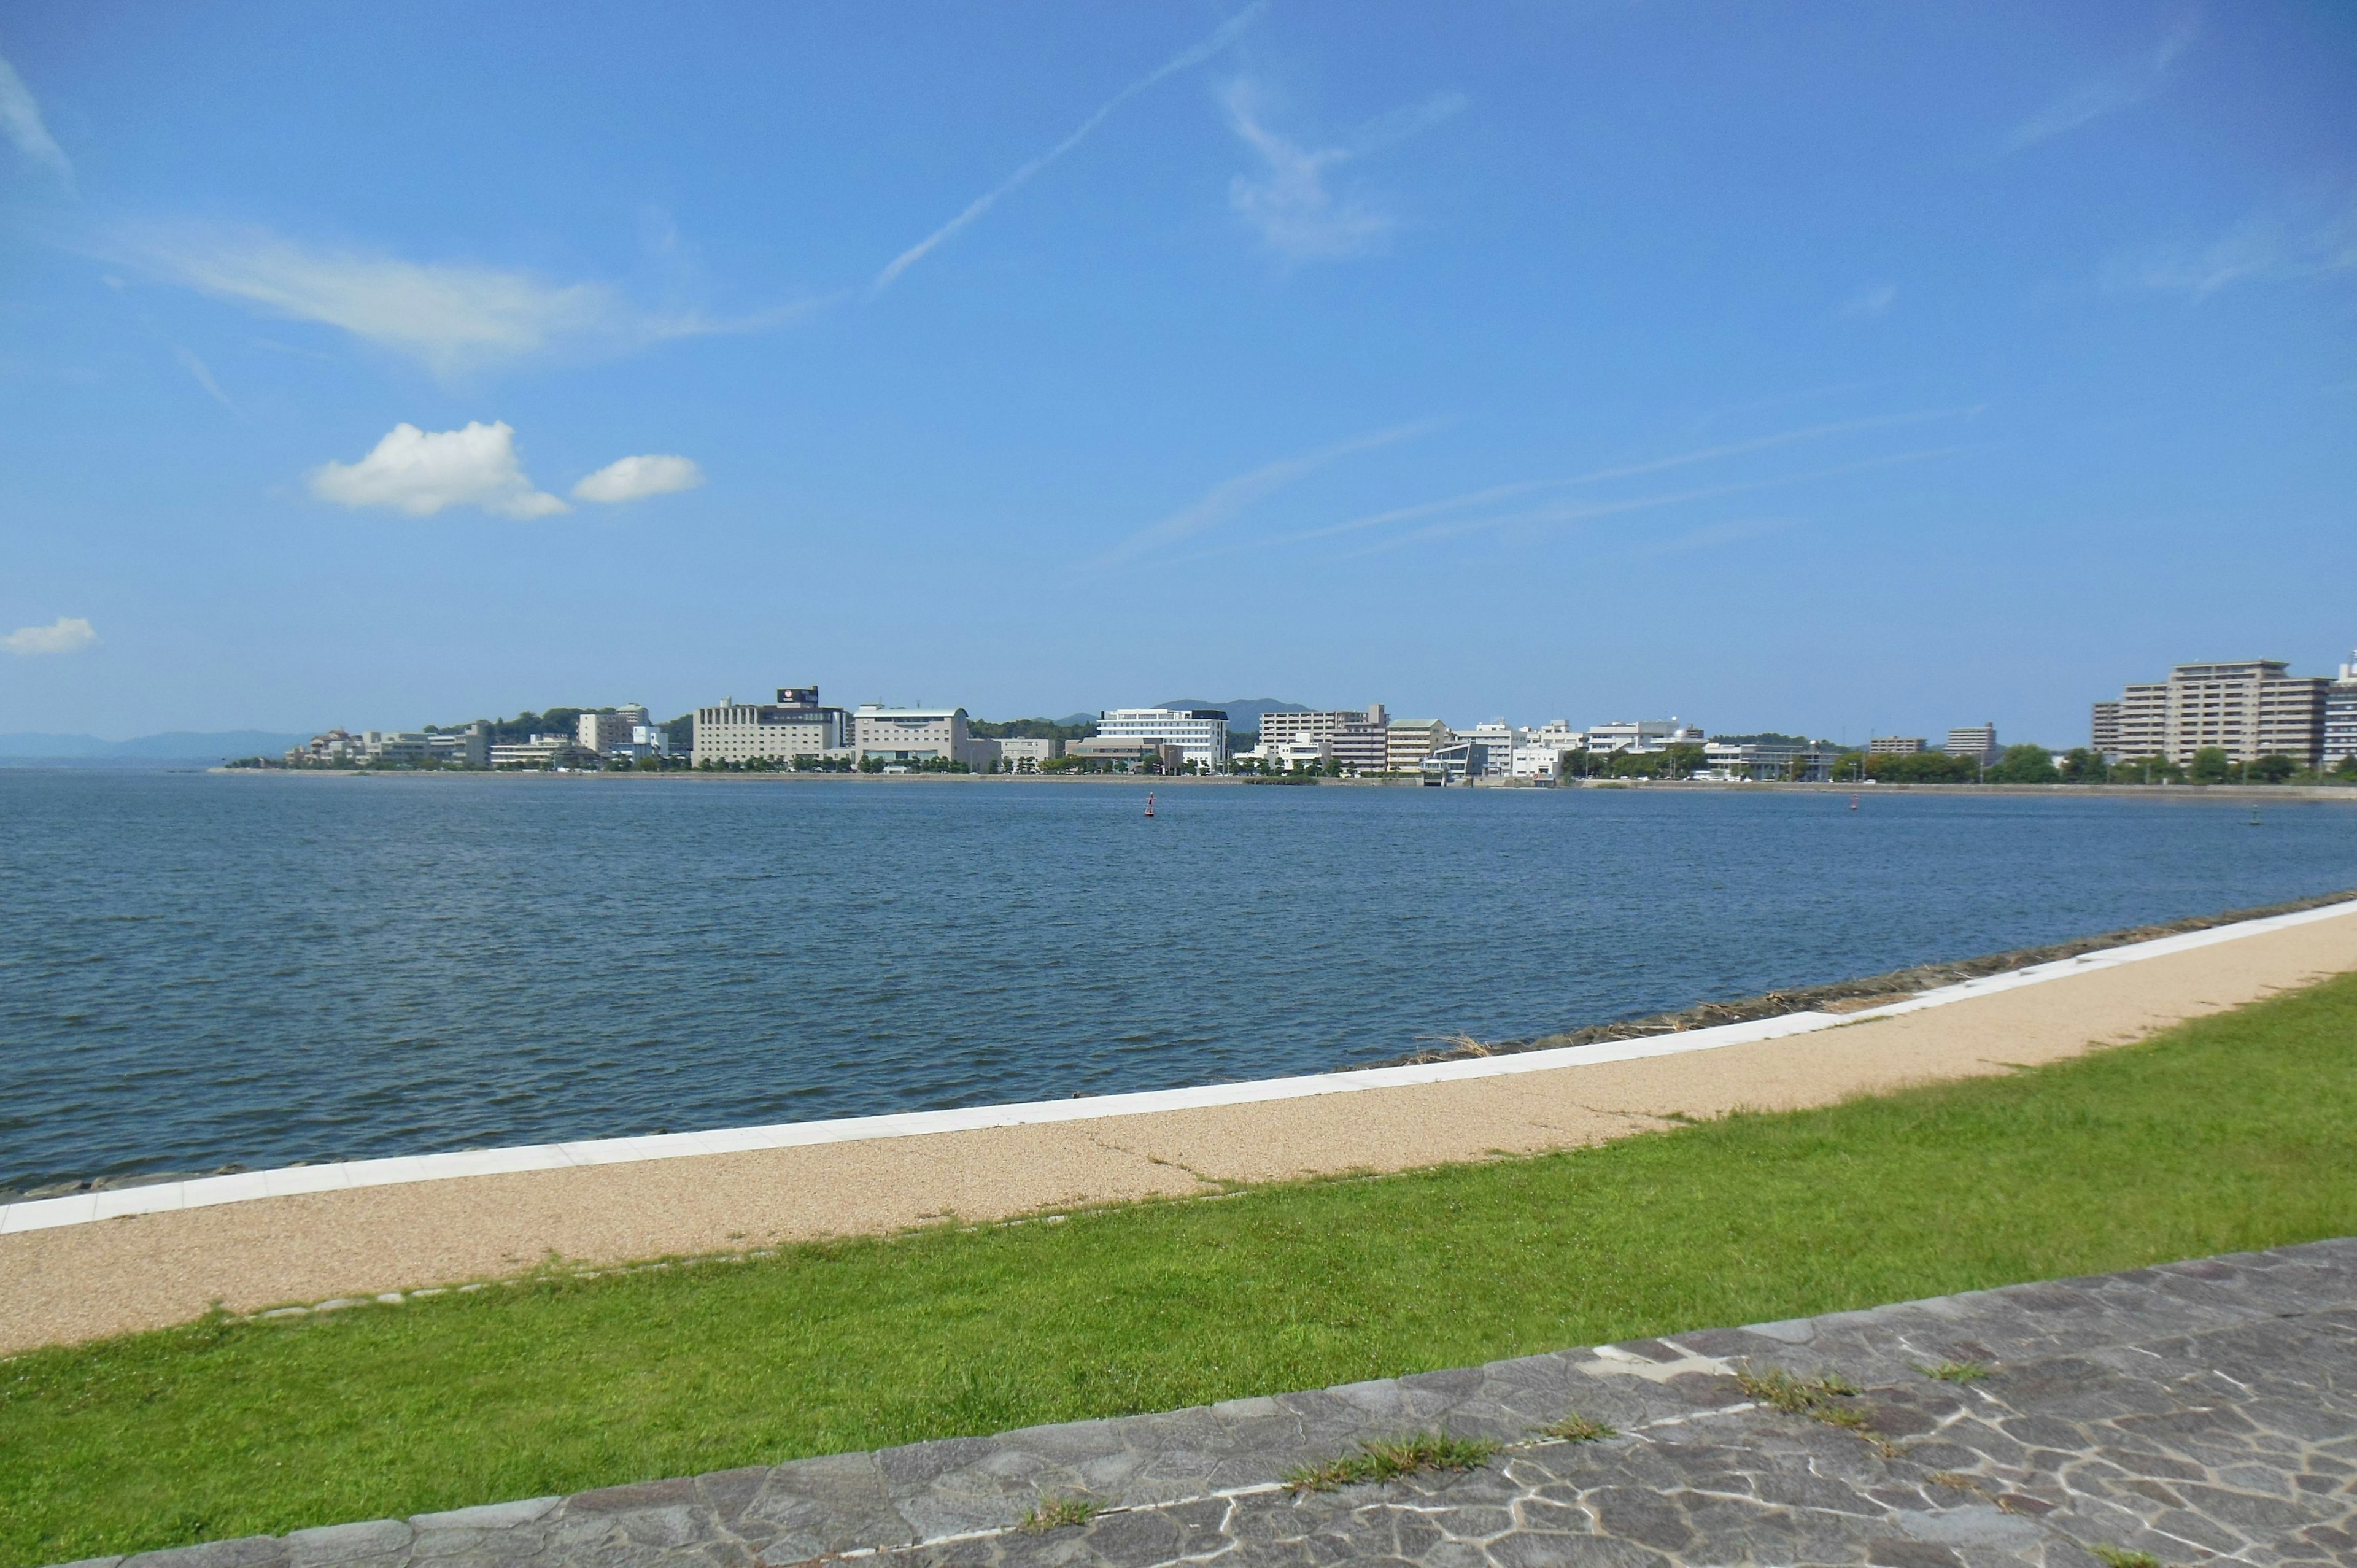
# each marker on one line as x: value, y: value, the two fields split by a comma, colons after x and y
x: 1849, y: 372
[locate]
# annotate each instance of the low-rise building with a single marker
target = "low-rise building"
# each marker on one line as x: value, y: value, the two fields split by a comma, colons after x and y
x: 1543, y: 762
x: 1454, y: 762
x: 1024, y: 754
x: 467, y: 747
x: 540, y: 751
x: 1201, y: 734
x: 1768, y: 760
x: 912, y: 736
x: 796, y: 724
x: 1129, y: 751
x: 1641, y: 734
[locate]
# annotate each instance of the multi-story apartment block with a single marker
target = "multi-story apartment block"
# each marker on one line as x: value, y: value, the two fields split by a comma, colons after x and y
x: 602, y: 732
x: 1407, y: 742
x: 1321, y: 724
x: 1974, y: 740
x: 1363, y: 746
x: 1894, y: 745
x: 2247, y: 708
x: 912, y: 736
x: 1494, y: 748
x: 796, y: 724
x: 2103, y: 731
x: 2340, y: 719
x: 1200, y: 734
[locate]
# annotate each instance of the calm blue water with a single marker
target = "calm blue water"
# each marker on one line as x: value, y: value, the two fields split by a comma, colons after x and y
x: 198, y: 970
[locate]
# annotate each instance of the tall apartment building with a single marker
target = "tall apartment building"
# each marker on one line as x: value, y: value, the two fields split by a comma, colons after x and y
x: 1407, y: 742
x: 1200, y: 734
x: 2247, y: 708
x: 914, y: 736
x: 2340, y: 719
x: 796, y: 724
x: 1974, y: 740
x: 1894, y: 746
x: 2104, y: 730
x: 1323, y: 724
x: 602, y: 733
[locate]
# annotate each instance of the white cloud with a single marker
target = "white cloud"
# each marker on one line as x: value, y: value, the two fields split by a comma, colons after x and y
x: 635, y: 478
x: 2122, y: 87
x: 1221, y: 36
x: 1289, y: 202
x: 420, y: 472
x: 1871, y: 302
x: 451, y: 317
x: 20, y: 122
x: 67, y: 634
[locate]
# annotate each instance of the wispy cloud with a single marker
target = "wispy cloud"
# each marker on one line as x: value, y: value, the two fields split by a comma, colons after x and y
x: 451, y: 317
x: 1566, y: 513
x: 1230, y: 497
x: 21, y: 124
x: 2124, y: 86
x: 420, y: 472
x: 1490, y: 495
x: 67, y: 634
x: 1288, y: 201
x: 1186, y: 59
x: 203, y: 376
x: 2263, y: 248
x: 1871, y: 301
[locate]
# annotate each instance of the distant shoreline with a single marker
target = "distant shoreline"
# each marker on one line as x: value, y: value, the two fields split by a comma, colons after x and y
x: 2341, y: 792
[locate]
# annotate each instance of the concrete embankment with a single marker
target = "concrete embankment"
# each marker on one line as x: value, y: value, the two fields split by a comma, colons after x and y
x: 150, y: 1257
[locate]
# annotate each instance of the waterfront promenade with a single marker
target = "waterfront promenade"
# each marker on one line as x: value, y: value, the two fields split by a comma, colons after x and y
x: 112, y: 1263
x: 2192, y: 1412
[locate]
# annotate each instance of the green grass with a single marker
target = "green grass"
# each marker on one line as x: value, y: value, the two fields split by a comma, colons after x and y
x: 1389, y: 1459
x: 2231, y: 1133
x: 1055, y: 1513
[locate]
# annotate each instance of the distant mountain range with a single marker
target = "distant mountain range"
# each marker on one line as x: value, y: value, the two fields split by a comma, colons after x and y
x: 175, y: 746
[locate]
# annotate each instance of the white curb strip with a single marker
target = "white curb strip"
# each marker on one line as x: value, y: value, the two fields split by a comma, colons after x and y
x: 42, y: 1214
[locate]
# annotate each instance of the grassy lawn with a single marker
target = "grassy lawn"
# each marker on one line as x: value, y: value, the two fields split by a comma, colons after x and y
x: 2229, y: 1134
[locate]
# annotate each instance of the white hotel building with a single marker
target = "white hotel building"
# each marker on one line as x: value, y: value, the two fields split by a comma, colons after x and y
x: 1200, y: 733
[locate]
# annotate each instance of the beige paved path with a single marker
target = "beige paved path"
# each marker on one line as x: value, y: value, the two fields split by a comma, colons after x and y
x: 146, y: 1271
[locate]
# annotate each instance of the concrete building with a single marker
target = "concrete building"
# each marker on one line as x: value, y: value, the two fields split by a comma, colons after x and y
x: 1024, y: 754
x: 1407, y: 742
x: 1974, y: 740
x: 1277, y: 729
x: 1769, y: 760
x: 1894, y: 746
x: 468, y: 747
x: 1641, y: 734
x: 1201, y: 734
x: 602, y: 732
x: 2247, y: 708
x: 1497, y: 740
x: 912, y: 736
x: 1298, y: 756
x: 396, y: 748
x: 2340, y: 719
x: 796, y: 724
x: 1456, y: 762
x: 2103, y: 731
x: 1133, y: 751
x: 540, y: 751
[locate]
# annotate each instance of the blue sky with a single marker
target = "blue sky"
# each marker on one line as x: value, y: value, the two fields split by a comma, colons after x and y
x: 1810, y: 367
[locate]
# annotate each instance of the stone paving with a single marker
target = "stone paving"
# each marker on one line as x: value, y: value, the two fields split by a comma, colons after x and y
x: 2194, y: 1413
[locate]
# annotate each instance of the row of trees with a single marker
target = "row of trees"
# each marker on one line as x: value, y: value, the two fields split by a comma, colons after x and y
x: 2036, y: 765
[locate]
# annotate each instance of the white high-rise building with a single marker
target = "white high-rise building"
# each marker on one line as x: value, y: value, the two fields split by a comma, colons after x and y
x: 1495, y: 742
x: 1201, y: 734
x: 602, y: 732
x: 2340, y: 719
